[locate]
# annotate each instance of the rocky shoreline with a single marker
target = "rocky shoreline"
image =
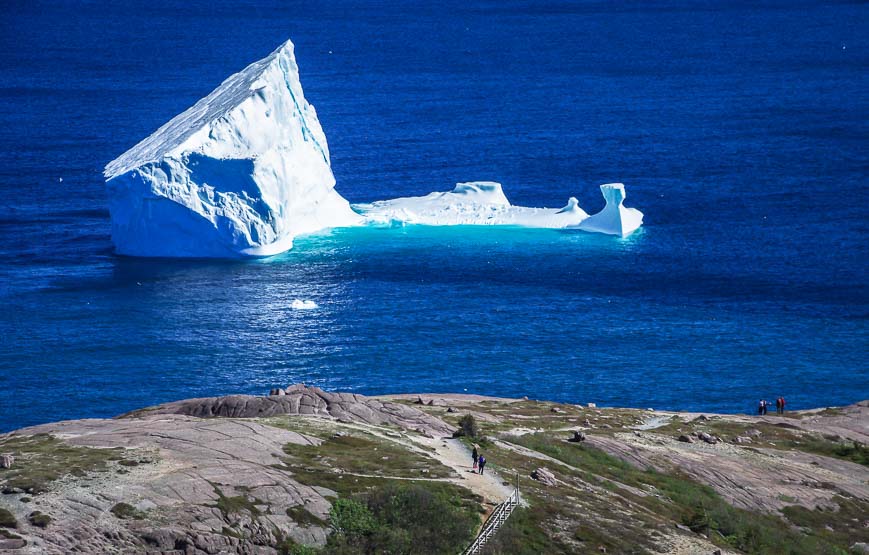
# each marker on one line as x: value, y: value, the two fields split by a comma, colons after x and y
x: 261, y: 474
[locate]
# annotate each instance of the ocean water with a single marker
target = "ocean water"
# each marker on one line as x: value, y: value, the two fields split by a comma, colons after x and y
x: 741, y: 130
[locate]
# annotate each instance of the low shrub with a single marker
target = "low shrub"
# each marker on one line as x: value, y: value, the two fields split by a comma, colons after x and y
x: 467, y: 427
x: 7, y: 519
x: 399, y: 519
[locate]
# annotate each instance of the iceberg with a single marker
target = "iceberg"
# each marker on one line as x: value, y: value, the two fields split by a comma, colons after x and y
x: 240, y: 173
x: 246, y: 169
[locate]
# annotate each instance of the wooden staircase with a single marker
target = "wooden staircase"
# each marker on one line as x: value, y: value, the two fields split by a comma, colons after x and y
x: 496, y: 520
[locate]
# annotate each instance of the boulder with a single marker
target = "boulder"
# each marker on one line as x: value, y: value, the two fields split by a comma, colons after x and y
x: 592, y: 405
x: 577, y: 437
x: 544, y: 476
x: 6, y: 460
x: 555, y: 410
x: 707, y: 438
x: 11, y: 544
x: 742, y: 440
x: 685, y: 439
x: 860, y: 547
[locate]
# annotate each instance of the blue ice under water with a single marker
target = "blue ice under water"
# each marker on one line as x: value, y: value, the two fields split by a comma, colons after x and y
x: 740, y: 131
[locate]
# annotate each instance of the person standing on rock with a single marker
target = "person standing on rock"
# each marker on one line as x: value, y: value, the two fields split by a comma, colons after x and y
x: 780, y: 405
x: 761, y: 407
x: 482, y: 463
x: 476, y: 455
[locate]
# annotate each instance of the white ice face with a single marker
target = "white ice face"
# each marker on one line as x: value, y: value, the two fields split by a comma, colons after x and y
x: 246, y: 170
x: 615, y: 218
x: 241, y: 173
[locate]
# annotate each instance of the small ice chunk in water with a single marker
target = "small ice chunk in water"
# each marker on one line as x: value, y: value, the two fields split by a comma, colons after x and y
x: 299, y: 304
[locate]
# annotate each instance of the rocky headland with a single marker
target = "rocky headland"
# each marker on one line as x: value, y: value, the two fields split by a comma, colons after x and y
x: 302, y: 470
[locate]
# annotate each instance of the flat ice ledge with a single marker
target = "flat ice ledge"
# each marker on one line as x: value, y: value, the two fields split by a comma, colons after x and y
x: 484, y: 203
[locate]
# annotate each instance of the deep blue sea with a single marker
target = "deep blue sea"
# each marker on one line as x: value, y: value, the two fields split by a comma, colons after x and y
x: 741, y: 130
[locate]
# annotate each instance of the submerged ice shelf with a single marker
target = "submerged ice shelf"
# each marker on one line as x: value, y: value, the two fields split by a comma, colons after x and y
x: 246, y: 170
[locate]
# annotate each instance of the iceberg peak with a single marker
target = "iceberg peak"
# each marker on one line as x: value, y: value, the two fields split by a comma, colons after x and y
x: 240, y: 173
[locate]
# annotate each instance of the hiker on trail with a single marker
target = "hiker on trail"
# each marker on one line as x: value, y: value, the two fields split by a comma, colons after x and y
x: 476, y: 456
x: 482, y: 463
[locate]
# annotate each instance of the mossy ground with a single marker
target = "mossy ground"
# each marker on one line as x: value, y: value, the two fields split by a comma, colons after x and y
x: 41, y: 459
x: 39, y: 519
x: 7, y: 519
x: 232, y: 506
x: 771, y: 436
x: 302, y: 516
x: 125, y: 511
x: 7, y: 535
x: 360, y: 453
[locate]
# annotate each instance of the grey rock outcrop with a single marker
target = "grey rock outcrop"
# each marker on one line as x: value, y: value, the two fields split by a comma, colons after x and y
x: 544, y: 476
x: 6, y: 460
x: 303, y: 400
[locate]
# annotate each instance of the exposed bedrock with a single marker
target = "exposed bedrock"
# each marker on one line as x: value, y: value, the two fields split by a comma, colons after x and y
x: 300, y: 399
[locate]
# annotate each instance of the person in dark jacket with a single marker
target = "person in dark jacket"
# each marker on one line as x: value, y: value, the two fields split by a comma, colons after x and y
x: 476, y: 455
x: 482, y: 463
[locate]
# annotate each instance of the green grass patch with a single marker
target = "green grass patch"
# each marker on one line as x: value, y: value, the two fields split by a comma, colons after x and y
x: 125, y: 511
x: 684, y: 501
x: 847, y: 451
x: 773, y: 436
x: 360, y: 453
x: 7, y: 535
x: 7, y: 519
x: 41, y: 459
x: 39, y: 519
x: 235, y: 505
x: 308, y: 425
x: 302, y: 516
x: 841, y: 526
x: 523, y: 534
